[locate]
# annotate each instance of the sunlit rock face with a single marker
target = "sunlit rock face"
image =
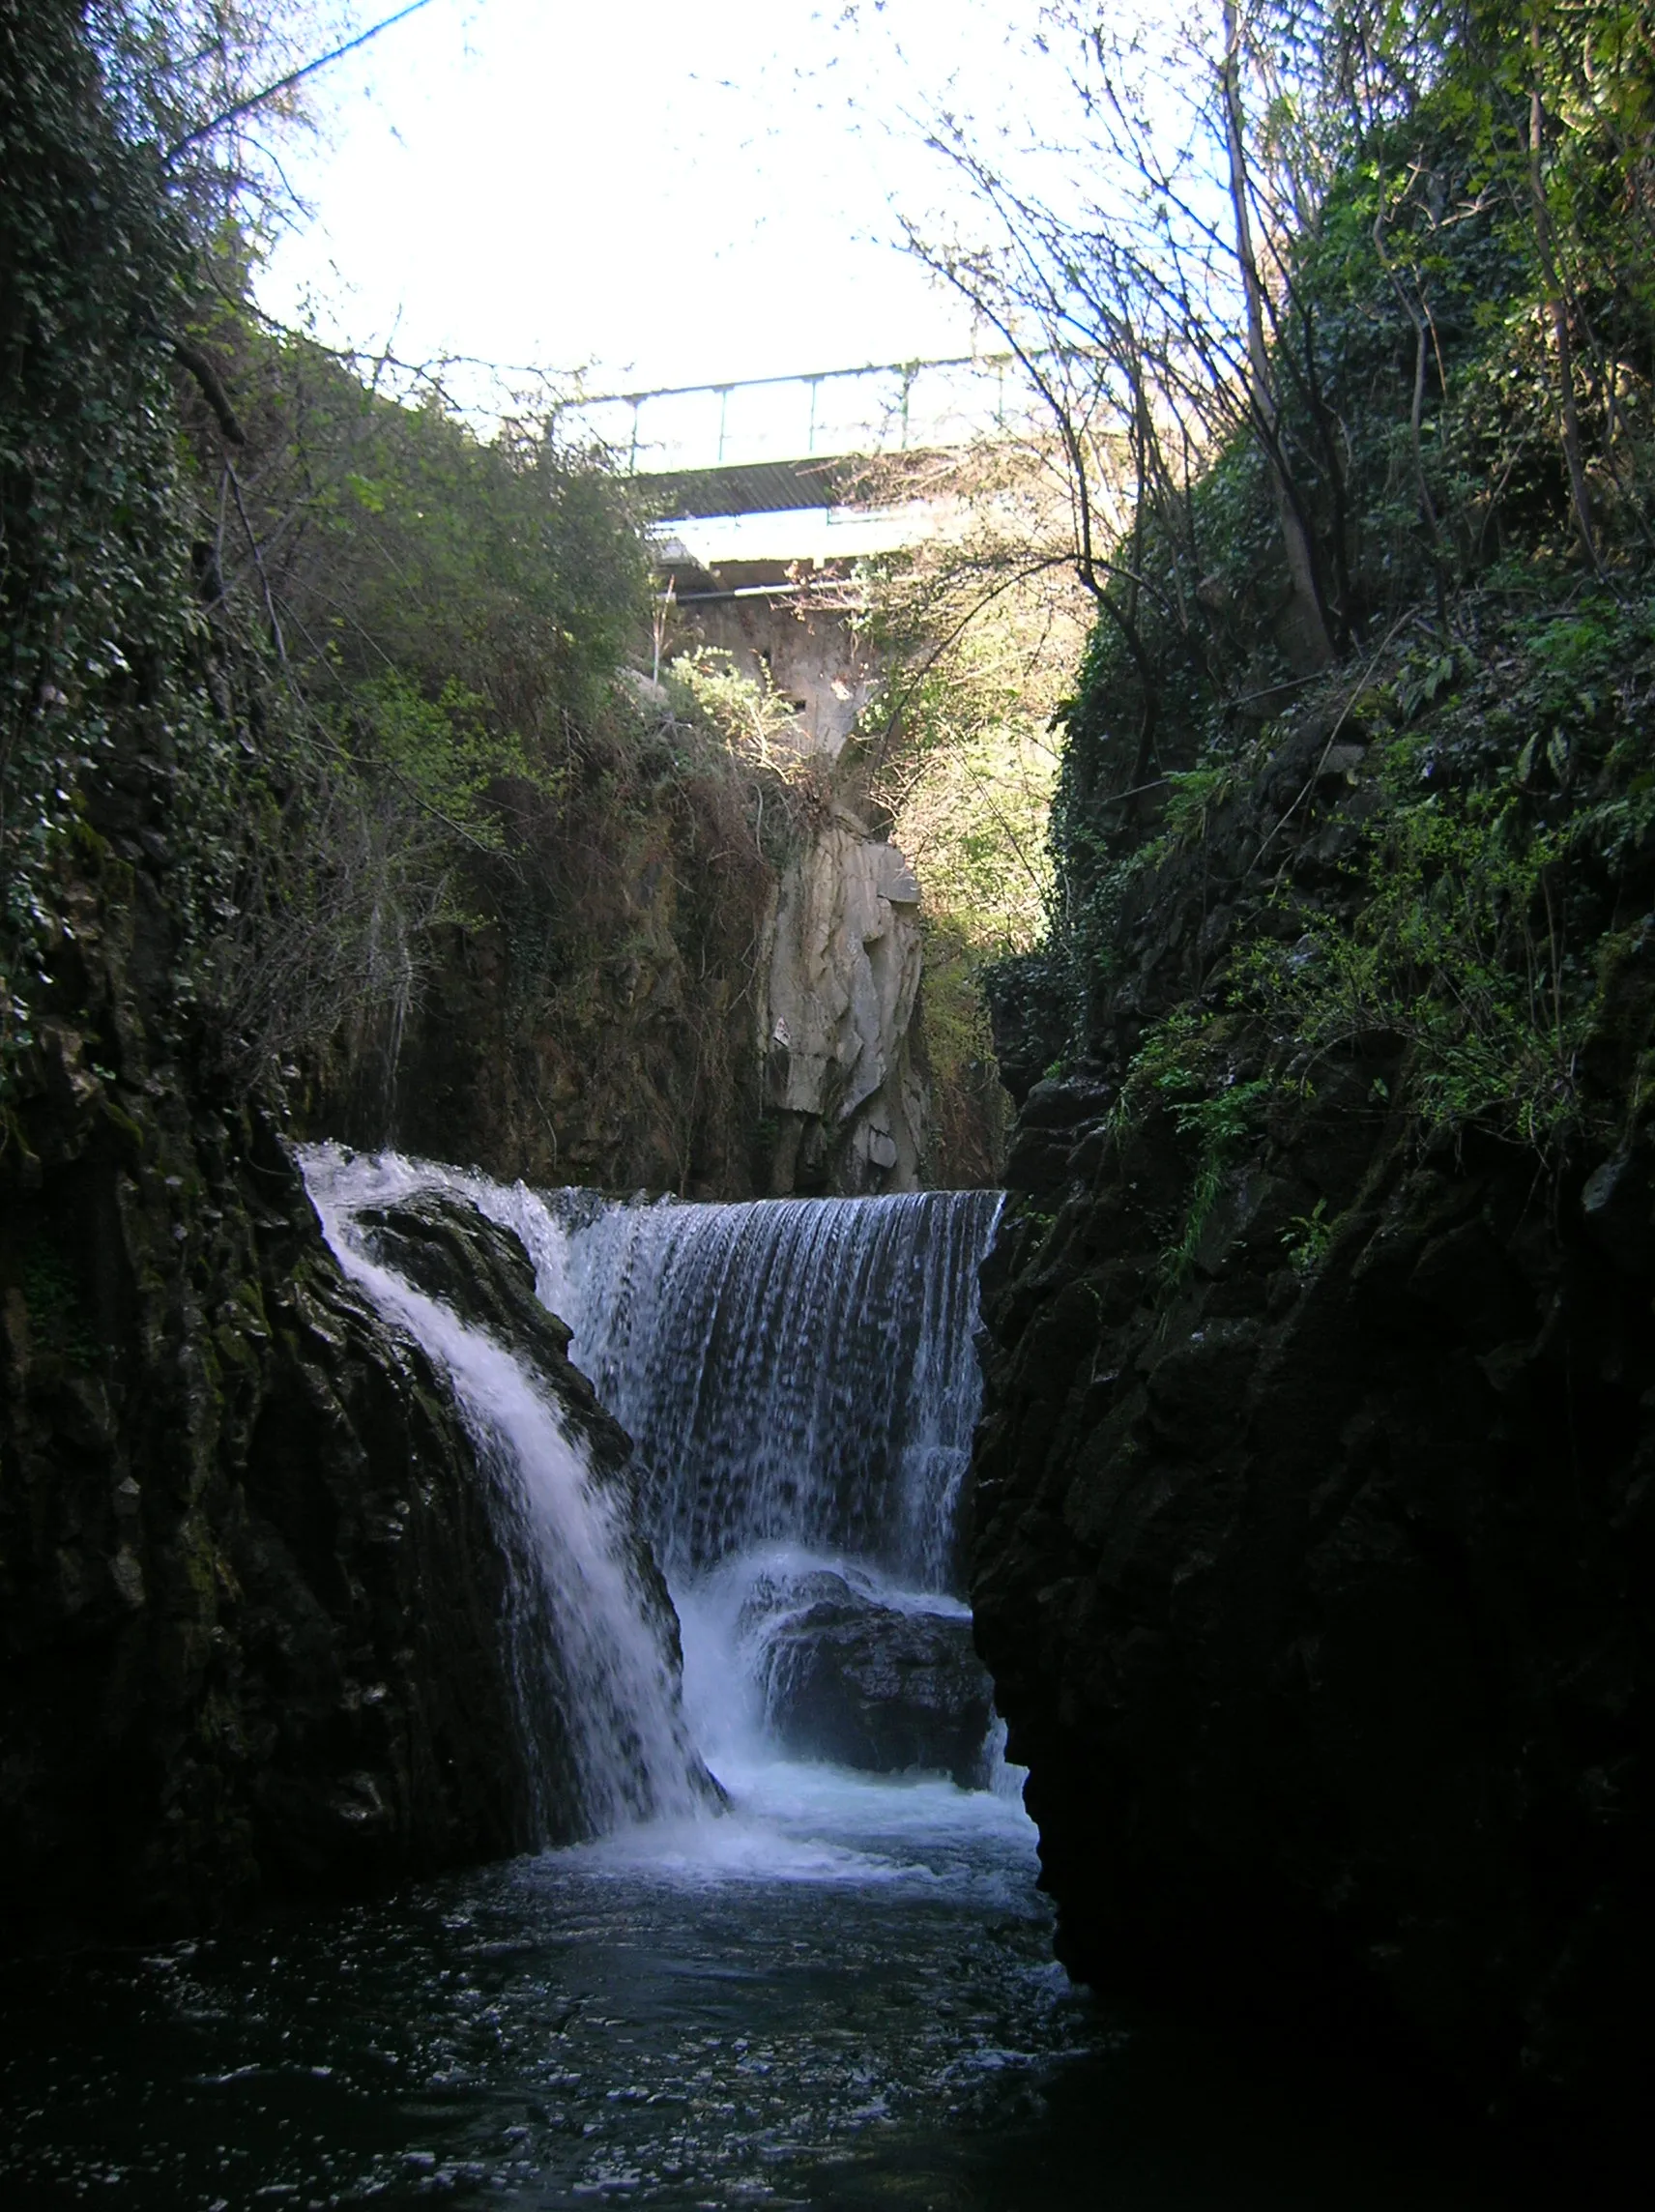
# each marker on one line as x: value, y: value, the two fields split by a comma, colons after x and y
x: 844, y: 986
x: 811, y: 650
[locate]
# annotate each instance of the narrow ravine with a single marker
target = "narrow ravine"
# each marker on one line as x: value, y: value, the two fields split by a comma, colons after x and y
x: 827, y: 1983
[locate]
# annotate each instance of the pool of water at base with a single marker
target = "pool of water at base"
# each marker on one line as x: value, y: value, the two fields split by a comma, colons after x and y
x: 838, y: 1995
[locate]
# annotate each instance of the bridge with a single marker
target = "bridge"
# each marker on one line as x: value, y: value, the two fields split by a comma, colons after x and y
x: 672, y: 430
x: 766, y: 490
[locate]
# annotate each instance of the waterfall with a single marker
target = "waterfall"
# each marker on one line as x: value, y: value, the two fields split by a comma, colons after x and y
x: 801, y: 1378
x: 792, y: 1370
x: 800, y: 1382
x: 594, y: 1688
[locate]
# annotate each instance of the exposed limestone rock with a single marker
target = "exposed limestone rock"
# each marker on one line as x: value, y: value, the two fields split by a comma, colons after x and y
x: 844, y: 980
x: 809, y: 648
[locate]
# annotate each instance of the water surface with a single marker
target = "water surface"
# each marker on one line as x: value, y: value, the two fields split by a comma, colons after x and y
x: 840, y: 1996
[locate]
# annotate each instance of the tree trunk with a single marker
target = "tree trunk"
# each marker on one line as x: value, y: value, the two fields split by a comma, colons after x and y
x: 1557, y: 309
x: 1295, y: 536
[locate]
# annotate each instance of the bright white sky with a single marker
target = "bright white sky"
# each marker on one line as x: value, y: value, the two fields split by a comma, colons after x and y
x: 657, y: 192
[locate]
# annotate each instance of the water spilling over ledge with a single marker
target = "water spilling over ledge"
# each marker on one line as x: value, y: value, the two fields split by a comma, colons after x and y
x: 593, y: 1662
x: 793, y: 1370
x: 799, y: 1379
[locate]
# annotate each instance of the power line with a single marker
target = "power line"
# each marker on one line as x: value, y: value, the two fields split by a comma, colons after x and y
x: 293, y: 77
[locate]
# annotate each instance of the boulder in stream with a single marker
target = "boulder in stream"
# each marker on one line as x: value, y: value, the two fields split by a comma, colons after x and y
x: 850, y: 1677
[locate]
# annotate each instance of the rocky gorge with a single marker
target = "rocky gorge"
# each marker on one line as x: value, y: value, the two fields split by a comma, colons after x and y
x: 1306, y: 1531
x: 1312, y: 1556
x: 256, y: 1564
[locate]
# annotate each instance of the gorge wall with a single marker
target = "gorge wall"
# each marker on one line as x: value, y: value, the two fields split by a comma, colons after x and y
x: 253, y: 1579
x: 844, y: 1071
x: 249, y: 1585
x: 712, y: 1009
x: 1315, y: 1557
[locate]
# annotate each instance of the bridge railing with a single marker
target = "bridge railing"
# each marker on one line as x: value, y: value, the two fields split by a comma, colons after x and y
x: 881, y: 407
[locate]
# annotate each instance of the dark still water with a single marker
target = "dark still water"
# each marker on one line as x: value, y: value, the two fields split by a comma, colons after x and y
x: 841, y: 1996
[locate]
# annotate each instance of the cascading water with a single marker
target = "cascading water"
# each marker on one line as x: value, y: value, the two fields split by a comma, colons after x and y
x: 587, y: 1660
x: 840, y: 1992
x: 793, y: 1370
x: 800, y: 1377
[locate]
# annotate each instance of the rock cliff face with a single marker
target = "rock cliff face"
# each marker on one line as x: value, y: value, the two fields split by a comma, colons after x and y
x: 252, y: 1587
x: 719, y: 1028
x: 612, y: 1048
x: 1317, y: 1577
x: 843, y: 987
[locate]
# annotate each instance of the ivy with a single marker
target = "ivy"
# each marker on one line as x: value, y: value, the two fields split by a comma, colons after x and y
x: 94, y: 605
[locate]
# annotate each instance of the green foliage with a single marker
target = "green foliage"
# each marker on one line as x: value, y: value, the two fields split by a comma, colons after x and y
x: 1450, y: 953
x: 971, y: 1112
x: 960, y: 731
x: 1463, y: 359
x: 1308, y: 1238
x: 441, y: 750
x: 1187, y: 1065
x: 1222, y: 1118
x: 750, y: 716
x: 94, y: 604
x: 1220, y: 1121
x: 976, y: 628
x: 1487, y: 872
x: 361, y: 659
x: 1193, y: 795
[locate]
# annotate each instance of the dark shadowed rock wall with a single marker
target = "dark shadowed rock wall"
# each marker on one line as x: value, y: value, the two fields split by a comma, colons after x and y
x: 251, y: 1587
x: 1318, y: 1585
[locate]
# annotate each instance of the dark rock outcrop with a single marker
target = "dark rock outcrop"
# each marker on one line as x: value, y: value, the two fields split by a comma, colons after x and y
x: 444, y: 1246
x: 252, y: 1589
x: 251, y: 1592
x: 1316, y: 1575
x: 870, y: 1685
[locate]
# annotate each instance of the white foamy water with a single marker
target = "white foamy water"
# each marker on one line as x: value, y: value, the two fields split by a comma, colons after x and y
x: 795, y: 1370
x: 588, y: 1660
x: 800, y: 1380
